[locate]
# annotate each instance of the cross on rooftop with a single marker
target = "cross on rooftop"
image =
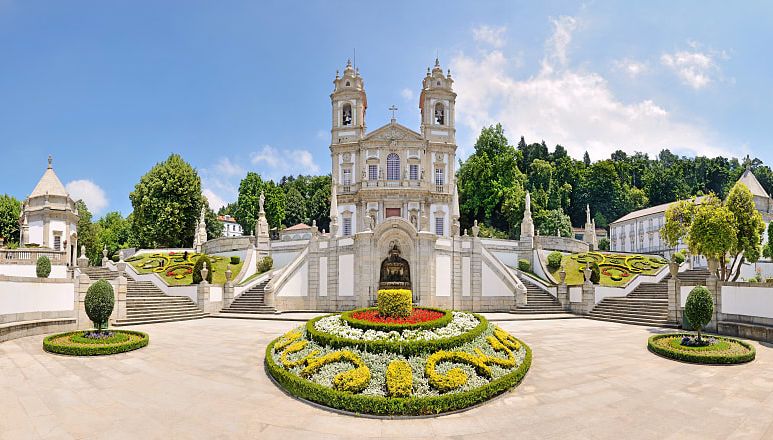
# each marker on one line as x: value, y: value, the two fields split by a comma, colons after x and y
x: 393, y: 109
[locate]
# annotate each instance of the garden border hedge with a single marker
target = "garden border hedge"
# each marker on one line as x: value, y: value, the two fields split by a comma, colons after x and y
x: 406, y: 348
x: 388, y: 327
x: 95, y: 349
x: 393, y: 406
x: 701, y: 359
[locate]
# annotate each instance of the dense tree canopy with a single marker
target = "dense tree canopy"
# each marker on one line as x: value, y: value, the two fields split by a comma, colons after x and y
x: 167, y: 202
x: 10, y: 210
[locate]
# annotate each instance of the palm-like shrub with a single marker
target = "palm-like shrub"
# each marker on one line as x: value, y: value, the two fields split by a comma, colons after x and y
x: 699, y: 308
x: 554, y: 260
x: 99, y: 303
x: 43, y: 267
x: 200, y: 265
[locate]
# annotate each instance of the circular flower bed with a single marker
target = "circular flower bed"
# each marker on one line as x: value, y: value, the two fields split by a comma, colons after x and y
x: 419, y: 318
x: 410, y: 371
x: 714, y: 349
x: 90, y: 343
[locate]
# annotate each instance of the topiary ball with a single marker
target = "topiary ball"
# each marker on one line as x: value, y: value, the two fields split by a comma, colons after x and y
x: 699, y: 308
x: 524, y: 265
x: 43, y: 267
x: 99, y: 303
x: 554, y: 260
x: 200, y: 265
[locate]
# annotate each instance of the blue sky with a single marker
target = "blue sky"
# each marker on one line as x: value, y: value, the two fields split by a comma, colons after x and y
x: 111, y: 88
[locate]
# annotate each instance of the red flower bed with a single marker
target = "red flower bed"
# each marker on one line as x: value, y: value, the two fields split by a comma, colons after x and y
x: 417, y: 315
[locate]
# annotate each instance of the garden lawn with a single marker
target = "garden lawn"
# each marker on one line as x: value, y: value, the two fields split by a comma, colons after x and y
x: 615, y: 265
x: 180, y: 267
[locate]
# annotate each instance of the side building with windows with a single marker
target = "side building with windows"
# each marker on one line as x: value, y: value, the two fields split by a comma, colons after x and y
x: 639, y: 231
x: 231, y: 228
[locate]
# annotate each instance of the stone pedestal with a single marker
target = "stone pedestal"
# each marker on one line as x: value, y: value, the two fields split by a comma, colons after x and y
x: 520, y: 296
x: 228, y: 288
x: 121, y: 287
x: 81, y: 287
x: 562, y: 291
x: 674, y: 294
x: 202, y: 296
x: 588, y: 293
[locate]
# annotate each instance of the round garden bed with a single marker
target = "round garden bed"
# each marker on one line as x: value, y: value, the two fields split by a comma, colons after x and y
x: 420, y: 318
x: 380, y: 370
x: 720, y: 349
x: 89, y: 343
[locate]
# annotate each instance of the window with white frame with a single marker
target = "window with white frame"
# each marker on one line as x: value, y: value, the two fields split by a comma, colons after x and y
x: 439, y: 224
x: 372, y: 172
x: 57, y: 242
x: 439, y: 179
x: 347, y: 226
x: 413, y: 171
x: 393, y: 167
x: 347, y: 179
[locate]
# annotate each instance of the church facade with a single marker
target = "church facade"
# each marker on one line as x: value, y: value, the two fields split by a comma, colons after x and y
x: 394, y: 215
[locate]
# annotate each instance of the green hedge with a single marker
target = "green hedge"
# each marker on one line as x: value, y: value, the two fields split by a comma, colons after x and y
x: 701, y: 355
x: 94, y: 348
x: 43, y: 267
x: 394, y: 302
x: 388, y: 327
x: 406, y: 348
x: 524, y: 265
x: 379, y: 405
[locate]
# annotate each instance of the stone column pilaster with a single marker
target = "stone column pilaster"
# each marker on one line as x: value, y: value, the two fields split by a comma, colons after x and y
x: 228, y: 288
x: 81, y: 287
x: 121, y: 288
x: 202, y: 296
x: 674, y: 294
x: 588, y: 293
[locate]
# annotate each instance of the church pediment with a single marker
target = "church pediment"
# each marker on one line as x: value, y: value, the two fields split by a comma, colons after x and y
x: 393, y: 132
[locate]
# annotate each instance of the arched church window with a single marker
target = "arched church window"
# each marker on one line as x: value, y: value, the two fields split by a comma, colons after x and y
x: 346, y: 115
x: 440, y: 114
x: 393, y: 167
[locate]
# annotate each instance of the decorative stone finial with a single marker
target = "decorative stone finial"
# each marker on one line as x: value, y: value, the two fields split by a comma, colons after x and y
x: 475, y: 228
x: 120, y: 255
x: 83, y: 249
x: 437, y: 62
x: 50, y: 160
x: 104, y: 251
x: 228, y: 273
x: 349, y: 62
x: 204, y: 274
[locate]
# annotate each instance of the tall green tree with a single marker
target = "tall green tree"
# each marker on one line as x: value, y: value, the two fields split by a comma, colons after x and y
x: 248, y: 204
x: 296, y: 208
x: 749, y: 228
x: 713, y: 233
x: 10, y: 211
x: 111, y: 231
x: 87, y: 233
x: 167, y: 202
x: 552, y: 221
x: 213, y: 225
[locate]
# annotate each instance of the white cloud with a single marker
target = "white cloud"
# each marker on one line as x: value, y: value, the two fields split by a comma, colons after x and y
x: 493, y: 36
x: 215, y: 202
x: 228, y: 168
x: 556, y: 46
x: 694, y: 67
x: 559, y: 104
x: 91, y: 193
x: 277, y: 163
x: 630, y: 67
x: 407, y: 94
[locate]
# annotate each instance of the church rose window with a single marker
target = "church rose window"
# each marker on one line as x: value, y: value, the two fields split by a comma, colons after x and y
x: 393, y: 167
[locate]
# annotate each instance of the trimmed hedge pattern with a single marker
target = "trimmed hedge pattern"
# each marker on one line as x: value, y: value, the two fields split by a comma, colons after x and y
x: 723, y: 354
x: 406, y: 348
x: 396, y: 303
x: 385, y: 326
x: 71, y: 343
x: 379, y: 405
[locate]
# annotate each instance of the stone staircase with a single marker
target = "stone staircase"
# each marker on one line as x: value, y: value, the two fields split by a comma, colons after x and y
x: 538, y: 301
x: 147, y: 304
x: 252, y: 301
x: 646, y: 305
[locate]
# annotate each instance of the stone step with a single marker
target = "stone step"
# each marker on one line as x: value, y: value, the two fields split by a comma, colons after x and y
x: 657, y: 316
x: 644, y: 322
x: 139, y: 321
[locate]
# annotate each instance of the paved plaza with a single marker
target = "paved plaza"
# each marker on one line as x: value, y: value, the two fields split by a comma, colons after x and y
x: 205, y: 379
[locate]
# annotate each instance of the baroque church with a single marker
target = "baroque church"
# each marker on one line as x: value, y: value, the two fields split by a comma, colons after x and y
x: 394, y: 172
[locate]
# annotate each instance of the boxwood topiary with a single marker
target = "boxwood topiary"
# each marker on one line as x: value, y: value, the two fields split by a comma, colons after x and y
x: 200, y: 265
x: 699, y: 308
x: 524, y: 265
x: 265, y: 264
x: 554, y: 260
x: 395, y: 302
x: 235, y: 259
x: 43, y: 267
x: 99, y: 303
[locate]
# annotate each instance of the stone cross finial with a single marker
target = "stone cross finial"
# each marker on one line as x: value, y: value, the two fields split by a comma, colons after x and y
x: 50, y: 160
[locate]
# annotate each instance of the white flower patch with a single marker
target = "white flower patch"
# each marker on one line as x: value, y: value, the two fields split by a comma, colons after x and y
x: 461, y: 323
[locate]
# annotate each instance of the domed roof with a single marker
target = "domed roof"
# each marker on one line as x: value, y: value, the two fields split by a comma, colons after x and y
x: 50, y: 184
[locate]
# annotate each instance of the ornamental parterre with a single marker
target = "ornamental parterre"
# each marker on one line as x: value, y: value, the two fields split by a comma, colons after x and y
x: 407, y: 372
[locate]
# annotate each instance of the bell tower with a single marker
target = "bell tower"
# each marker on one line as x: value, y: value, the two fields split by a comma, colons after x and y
x: 349, y: 105
x: 438, y: 106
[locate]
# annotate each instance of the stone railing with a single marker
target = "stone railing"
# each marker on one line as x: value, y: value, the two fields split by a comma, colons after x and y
x: 353, y: 187
x: 30, y: 256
